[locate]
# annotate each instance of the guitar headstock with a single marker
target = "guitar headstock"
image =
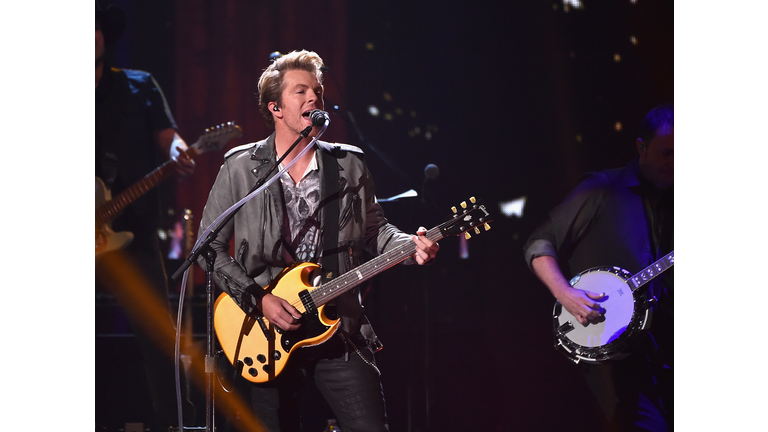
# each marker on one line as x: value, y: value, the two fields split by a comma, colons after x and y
x: 468, y: 218
x: 216, y: 137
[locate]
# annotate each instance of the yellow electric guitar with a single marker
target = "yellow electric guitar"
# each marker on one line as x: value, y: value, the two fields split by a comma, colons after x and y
x: 258, y: 359
x: 107, y: 209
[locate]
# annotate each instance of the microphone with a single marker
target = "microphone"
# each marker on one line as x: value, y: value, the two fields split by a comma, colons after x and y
x: 431, y: 172
x: 319, y: 118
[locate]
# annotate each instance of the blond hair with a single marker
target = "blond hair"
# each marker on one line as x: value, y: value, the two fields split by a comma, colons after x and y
x: 271, y: 80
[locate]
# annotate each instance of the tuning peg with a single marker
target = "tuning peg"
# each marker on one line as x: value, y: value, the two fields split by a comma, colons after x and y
x: 486, y: 226
x: 454, y: 209
x: 467, y: 235
x: 472, y: 200
x: 463, y: 204
x: 477, y: 230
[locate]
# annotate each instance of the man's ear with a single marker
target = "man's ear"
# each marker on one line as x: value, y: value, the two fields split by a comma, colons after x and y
x: 275, y: 109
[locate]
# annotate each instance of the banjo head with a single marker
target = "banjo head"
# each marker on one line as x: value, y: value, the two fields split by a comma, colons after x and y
x: 625, y: 314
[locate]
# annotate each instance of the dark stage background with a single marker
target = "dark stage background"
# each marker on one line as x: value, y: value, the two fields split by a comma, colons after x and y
x: 508, y: 99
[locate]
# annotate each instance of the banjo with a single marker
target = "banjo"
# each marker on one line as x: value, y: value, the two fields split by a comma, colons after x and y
x: 627, y: 312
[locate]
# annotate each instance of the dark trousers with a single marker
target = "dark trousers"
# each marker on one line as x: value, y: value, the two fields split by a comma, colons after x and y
x: 635, y: 393
x: 348, y: 383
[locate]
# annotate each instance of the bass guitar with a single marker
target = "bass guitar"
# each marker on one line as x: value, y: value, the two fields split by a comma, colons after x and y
x: 259, y: 359
x: 107, y: 209
x: 627, y: 313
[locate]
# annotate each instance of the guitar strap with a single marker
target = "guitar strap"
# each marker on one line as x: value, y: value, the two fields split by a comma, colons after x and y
x: 330, y: 206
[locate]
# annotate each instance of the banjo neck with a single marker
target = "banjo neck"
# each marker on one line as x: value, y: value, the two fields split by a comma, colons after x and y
x: 649, y: 273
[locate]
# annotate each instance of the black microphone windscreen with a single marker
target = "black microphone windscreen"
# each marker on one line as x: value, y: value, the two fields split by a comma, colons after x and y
x: 319, y: 117
x: 431, y: 172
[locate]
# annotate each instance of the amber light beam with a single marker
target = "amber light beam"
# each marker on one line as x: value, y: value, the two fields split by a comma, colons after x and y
x: 128, y: 284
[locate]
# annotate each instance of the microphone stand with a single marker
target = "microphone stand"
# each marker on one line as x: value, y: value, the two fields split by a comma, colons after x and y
x: 204, y: 246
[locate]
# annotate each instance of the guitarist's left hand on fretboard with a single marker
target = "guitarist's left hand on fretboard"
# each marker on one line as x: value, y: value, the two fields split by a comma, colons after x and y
x: 426, y: 249
x: 183, y: 165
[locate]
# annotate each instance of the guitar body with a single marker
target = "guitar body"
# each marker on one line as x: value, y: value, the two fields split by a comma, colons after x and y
x: 107, y: 239
x: 626, y: 315
x: 257, y: 359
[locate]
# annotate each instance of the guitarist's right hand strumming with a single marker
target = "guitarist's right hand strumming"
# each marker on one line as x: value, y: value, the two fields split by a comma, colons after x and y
x: 280, y: 312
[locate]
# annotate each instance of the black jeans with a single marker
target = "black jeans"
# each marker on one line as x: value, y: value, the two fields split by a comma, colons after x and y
x: 349, y: 384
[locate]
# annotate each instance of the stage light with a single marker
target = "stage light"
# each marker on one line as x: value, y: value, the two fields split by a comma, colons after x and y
x: 407, y: 194
x: 373, y: 110
x: 576, y: 4
x: 514, y: 207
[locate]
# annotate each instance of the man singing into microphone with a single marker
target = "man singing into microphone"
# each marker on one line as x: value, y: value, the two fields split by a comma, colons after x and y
x: 322, y: 210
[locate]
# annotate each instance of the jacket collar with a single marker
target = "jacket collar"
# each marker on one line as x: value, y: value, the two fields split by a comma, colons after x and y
x: 264, y: 150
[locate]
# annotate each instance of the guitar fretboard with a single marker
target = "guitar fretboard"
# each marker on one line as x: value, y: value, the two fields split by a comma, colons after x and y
x: 330, y: 290
x: 110, y: 209
x: 649, y: 273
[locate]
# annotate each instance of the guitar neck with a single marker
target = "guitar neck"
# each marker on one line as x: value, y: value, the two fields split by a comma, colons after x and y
x: 213, y: 139
x: 330, y: 290
x: 650, y: 273
x: 110, y: 209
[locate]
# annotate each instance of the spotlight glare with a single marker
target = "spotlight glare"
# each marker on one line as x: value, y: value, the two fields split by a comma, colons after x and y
x: 514, y: 207
x: 576, y: 4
